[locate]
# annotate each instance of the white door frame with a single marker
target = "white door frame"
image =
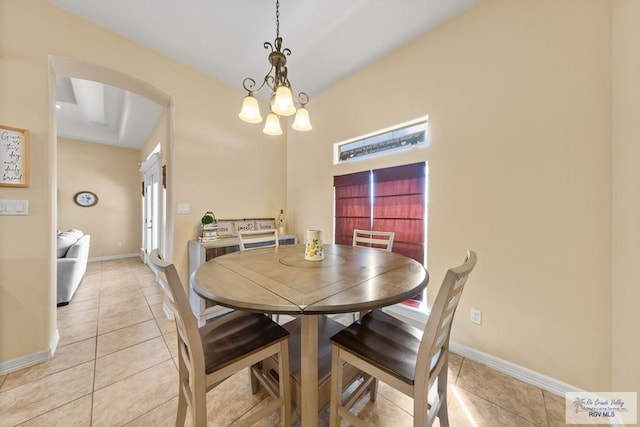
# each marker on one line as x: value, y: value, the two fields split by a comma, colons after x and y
x: 152, y: 205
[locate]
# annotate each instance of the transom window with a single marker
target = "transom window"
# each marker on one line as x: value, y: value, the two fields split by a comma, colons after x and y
x: 386, y: 141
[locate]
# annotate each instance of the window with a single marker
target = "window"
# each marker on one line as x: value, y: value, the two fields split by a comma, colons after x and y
x: 408, y: 135
x: 389, y: 199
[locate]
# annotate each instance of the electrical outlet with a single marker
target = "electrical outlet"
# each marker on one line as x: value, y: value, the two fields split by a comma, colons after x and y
x: 476, y: 316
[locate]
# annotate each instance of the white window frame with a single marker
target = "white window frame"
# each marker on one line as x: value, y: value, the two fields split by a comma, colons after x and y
x: 386, y: 141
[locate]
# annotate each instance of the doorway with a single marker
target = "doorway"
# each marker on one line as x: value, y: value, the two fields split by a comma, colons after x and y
x: 161, y: 223
x: 152, y: 205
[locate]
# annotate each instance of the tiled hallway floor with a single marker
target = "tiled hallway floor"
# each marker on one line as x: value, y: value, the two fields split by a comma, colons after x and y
x: 115, y: 365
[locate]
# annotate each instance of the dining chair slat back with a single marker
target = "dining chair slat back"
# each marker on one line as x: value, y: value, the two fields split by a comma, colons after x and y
x: 374, y: 239
x: 407, y: 358
x: 224, y: 346
x: 258, y: 239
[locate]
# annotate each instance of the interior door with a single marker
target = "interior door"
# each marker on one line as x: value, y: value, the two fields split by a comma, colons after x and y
x: 151, y: 205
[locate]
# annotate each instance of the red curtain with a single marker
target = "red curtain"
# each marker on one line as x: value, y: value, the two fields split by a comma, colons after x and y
x: 352, y: 205
x: 399, y: 206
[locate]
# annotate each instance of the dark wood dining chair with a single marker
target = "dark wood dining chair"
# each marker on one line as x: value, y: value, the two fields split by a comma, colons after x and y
x: 209, y: 355
x: 406, y: 358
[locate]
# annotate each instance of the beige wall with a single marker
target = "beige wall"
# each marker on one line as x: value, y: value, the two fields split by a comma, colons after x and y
x: 208, y: 145
x: 518, y: 98
x: 112, y: 173
x: 626, y: 203
x: 158, y: 136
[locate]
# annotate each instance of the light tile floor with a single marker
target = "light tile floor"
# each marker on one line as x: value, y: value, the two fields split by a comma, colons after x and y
x: 115, y: 365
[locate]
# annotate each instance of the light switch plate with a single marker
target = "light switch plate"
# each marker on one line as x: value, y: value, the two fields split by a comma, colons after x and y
x: 14, y: 207
x: 184, y: 208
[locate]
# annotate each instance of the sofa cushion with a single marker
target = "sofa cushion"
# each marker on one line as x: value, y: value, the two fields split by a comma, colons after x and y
x: 64, y: 241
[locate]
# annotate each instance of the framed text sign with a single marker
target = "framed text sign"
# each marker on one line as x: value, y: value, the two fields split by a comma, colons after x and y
x: 14, y: 157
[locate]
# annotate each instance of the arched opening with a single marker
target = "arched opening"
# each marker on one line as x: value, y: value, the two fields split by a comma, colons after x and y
x: 67, y: 67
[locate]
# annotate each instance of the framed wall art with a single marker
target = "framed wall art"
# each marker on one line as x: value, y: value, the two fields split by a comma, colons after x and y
x: 14, y: 157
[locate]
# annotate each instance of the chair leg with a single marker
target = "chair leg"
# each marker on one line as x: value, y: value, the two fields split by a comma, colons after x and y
x: 420, y: 409
x: 181, y: 415
x: 443, y: 414
x: 373, y: 390
x: 255, y: 384
x: 336, y: 386
x: 285, y: 383
x: 198, y: 400
x: 199, y: 409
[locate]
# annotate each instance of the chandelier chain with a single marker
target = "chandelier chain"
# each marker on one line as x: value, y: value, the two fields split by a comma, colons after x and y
x: 277, y: 18
x: 282, y: 102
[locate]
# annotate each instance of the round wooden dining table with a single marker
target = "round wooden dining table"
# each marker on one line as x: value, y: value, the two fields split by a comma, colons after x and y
x: 281, y: 281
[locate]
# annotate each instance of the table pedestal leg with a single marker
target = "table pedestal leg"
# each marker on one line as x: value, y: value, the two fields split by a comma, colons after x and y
x: 309, y: 371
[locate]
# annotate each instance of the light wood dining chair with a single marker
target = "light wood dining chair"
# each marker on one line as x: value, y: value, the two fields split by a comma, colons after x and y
x: 407, y: 358
x: 223, y: 347
x: 258, y: 239
x: 374, y: 239
x: 204, y: 309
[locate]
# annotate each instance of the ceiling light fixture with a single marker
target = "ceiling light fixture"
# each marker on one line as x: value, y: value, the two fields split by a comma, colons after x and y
x: 282, y: 100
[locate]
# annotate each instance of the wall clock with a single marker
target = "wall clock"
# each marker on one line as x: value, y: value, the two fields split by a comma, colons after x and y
x: 85, y: 199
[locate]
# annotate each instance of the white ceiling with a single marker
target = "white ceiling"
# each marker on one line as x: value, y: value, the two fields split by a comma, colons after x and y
x: 329, y: 39
x: 95, y: 112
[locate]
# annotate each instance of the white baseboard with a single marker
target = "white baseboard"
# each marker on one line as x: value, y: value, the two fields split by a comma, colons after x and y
x: 418, y: 318
x: 111, y: 257
x: 167, y: 310
x: 30, y: 359
x: 526, y: 375
x: 53, y: 345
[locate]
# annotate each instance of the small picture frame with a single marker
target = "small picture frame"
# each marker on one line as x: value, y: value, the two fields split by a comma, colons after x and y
x: 14, y: 157
x: 265, y: 224
x: 245, y: 225
x: 225, y: 228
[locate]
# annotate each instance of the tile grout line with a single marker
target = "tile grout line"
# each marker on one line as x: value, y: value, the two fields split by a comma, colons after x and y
x: 57, y: 372
x: 546, y: 413
x: 143, y: 370
x: 497, y: 405
x: 95, y: 364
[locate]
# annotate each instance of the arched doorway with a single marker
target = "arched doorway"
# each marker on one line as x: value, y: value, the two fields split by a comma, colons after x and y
x: 62, y: 66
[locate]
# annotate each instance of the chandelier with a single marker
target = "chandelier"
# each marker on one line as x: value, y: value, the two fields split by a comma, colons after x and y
x: 282, y: 99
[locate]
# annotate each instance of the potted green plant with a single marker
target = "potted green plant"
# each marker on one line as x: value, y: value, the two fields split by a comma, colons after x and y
x: 208, y: 218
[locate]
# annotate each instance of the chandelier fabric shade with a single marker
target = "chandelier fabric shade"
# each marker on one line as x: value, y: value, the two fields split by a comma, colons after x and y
x: 282, y: 100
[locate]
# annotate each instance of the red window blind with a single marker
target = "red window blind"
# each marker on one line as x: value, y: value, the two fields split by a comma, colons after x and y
x: 352, y: 205
x: 399, y: 206
x: 395, y: 201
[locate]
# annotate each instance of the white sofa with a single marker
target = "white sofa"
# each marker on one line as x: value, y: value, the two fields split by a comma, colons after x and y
x: 73, y: 254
